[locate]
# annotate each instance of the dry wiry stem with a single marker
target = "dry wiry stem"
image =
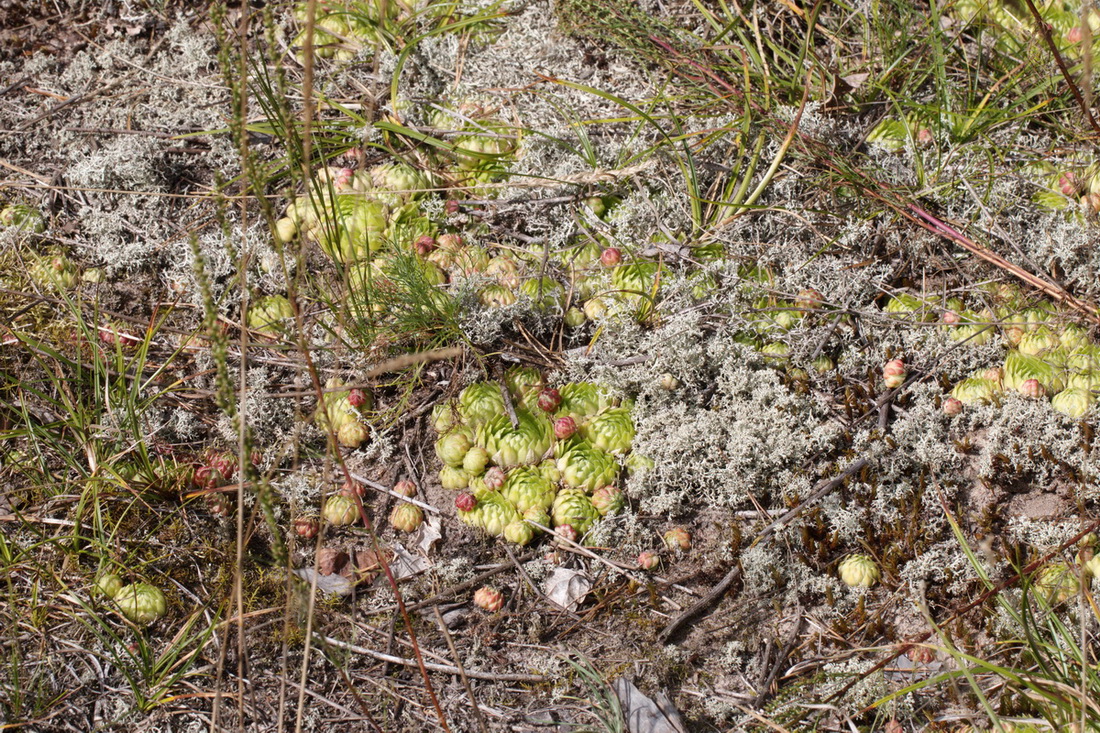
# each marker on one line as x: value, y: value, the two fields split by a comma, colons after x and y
x: 1044, y: 31
x: 461, y: 670
x: 444, y: 668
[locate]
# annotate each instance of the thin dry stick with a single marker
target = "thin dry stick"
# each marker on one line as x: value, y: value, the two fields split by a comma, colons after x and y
x: 444, y: 668
x: 461, y: 671
x: 1044, y: 31
x: 735, y: 573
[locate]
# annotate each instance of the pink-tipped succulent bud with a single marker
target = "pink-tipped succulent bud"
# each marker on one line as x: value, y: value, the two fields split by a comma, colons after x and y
x: 357, y: 398
x: 950, y: 318
x: 567, y: 532
x: 809, y: 300
x: 451, y: 207
x: 256, y: 457
x: 405, y: 488
x: 894, y: 373
x: 952, y: 406
x: 564, y: 427
x: 352, y: 434
x: 225, y: 464
x: 611, y: 257
x: 343, y: 177
x: 1091, y: 202
x: 1069, y: 184
x: 465, y: 502
x: 1076, y: 34
x: 425, y: 245
x: 307, y: 527
x: 678, y: 538
x: 648, y: 560
x: 1033, y: 388
x: 494, y: 478
x: 352, y: 488
x: 925, y: 137
x: 994, y: 374
x: 549, y: 399
x: 219, y: 505
x: 920, y: 654
x: 488, y: 598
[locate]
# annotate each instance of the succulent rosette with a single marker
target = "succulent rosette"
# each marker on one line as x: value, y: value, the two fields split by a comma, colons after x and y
x: 406, y: 517
x: 547, y: 293
x: 538, y: 517
x: 349, y: 228
x: 525, y: 443
x: 454, y: 478
x: 494, y: 513
x: 585, y: 467
x: 142, y: 603
x: 611, y: 430
x: 858, y: 571
x: 523, y: 383
x: 519, y: 532
x: 55, y: 270
x: 22, y: 218
x: 340, y: 510
x: 580, y: 400
x: 526, y: 487
x: 400, y: 182
x: 1038, y: 341
x: 608, y: 500
x: 479, y: 402
x: 573, y: 507
x: 108, y: 584
x: 1057, y: 582
x: 907, y: 304
x: 1074, y: 402
x: 975, y: 391
x: 269, y: 315
x: 475, y: 461
x: 452, y: 448
x: 1021, y: 367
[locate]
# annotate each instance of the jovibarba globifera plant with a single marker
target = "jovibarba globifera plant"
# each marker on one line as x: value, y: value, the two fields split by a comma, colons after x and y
x: 557, y: 465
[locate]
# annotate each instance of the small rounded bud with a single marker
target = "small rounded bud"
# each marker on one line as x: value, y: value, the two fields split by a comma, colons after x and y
x: 611, y: 257
x: 567, y: 532
x: 608, y: 500
x: 564, y: 427
x: 950, y: 318
x: 425, y: 245
x: 677, y: 538
x: 669, y: 382
x: 357, y: 398
x: 894, y: 373
x: 920, y: 654
x: 1033, y: 388
x: 407, y: 517
x: 648, y: 560
x: 352, y: 434
x: 405, y: 488
x: 465, y: 502
x: 925, y: 137
x: 993, y: 374
x: 141, y: 603
x: 494, y: 478
x: 340, y: 511
x: 488, y: 598
x: 108, y: 585
x: 858, y: 571
x: 1091, y: 202
x: 351, y: 487
x: 1068, y: 184
x: 451, y: 206
x: 475, y: 460
x: 809, y: 300
x: 219, y: 505
x: 307, y: 527
x: 451, y: 242
x: 952, y: 406
x: 575, y: 318
x: 549, y: 399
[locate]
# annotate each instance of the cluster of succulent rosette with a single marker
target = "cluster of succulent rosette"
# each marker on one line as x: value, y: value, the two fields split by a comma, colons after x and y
x: 341, y: 411
x: 142, y: 603
x: 555, y: 468
x: 1048, y: 356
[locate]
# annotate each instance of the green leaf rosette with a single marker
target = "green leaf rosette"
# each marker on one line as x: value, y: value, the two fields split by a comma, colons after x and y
x: 584, y: 467
x: 1074, y: 402
x: 573, y: 507
x: 526, y: 487
x: 612, y: 430
x: 580, y: 400
x: 975, y: 391
x: 1020, y: 367
x: 479, y: 402
x: 511, y: 446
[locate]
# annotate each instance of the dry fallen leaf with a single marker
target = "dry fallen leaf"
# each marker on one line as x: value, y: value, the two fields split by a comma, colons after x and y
x: 567, y: 588
x: 643, y: 715
x: 333, y: 584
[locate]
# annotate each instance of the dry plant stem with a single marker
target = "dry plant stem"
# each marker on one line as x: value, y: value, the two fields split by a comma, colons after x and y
x: 769, y: 678
x: 1044, y: 31
x: 461, y: 671
x: 934, y: 225
x: 735, y: 573
x: 443, y: 668
x: 995, y: 590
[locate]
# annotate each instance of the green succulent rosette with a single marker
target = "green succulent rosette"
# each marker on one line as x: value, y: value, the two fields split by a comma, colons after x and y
x: 892, y: 134
x: 142, y: 603
x: 580, y: 400
x: 56, y: 271
x: 1038, y: 341
x: 538, y: 517
x: 269, y: 315
x: 1074, y: 401
x: 525, y: 443
x: 519, y: 532
x: 611, y: 431
x: 547, y: 293
x: 584, y: 467
x: 406, y: 225
x: 479, y: 402
x: 454, y: 478
x: 445, y: 417
x: 526, y: 487
x: 1020, y: 367
x: 608, y: 500
x: 524, y: 384
x: 975, y: 391
x: 400, y: 180
x: 22, y: 218
x: 1057, y: 582
x: 495, y: 513
x: 573, y: 507
x: 475, y: 461
x: 349, y: 228
x: 453, y: 446
x: 637, y: 463
x: 909, y: 305
x: 549, y: 470
x: 496, y: 296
